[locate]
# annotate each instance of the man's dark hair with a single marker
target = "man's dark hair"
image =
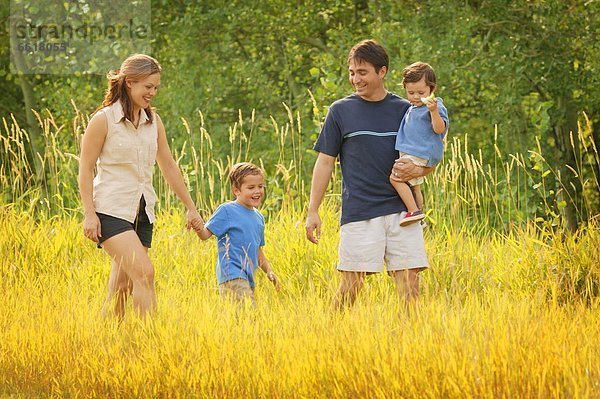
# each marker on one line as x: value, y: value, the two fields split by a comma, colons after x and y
x: 370, y: 51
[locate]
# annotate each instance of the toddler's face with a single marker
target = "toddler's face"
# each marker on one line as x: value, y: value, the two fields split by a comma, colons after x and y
x: 251, y: 192
x: 416, y: 90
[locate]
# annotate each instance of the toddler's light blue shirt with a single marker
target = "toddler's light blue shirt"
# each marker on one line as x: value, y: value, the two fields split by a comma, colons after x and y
x: 416, y: 136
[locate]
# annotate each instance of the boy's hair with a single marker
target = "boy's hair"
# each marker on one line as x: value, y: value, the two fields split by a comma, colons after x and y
x: 415, y: 72
x: 239, y: 171
x: 370, y: 51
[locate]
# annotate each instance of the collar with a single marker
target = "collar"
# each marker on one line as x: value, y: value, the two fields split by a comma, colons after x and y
x: 117, y: 110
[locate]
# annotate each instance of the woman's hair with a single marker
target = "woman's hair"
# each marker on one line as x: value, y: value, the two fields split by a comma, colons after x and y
x: 415, y: 72
x: 135, y: 68
x: 369, y: 51
x: 239, y: 171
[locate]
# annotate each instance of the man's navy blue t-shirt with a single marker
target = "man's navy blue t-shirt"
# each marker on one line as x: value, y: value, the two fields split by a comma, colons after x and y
x: 363, y: 133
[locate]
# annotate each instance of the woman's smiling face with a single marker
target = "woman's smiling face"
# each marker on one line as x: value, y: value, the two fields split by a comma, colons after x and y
x: 142, y: 92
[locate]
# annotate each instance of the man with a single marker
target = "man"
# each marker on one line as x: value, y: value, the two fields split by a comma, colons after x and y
x: 361, y: 129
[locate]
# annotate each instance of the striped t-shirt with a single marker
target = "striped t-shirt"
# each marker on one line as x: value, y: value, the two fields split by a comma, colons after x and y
x: 363, y: 133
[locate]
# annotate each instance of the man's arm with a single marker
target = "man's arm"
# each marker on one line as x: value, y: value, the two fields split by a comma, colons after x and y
x: 321, y: 176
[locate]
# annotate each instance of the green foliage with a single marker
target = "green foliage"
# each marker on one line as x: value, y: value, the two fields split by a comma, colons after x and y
x: 525, y: 69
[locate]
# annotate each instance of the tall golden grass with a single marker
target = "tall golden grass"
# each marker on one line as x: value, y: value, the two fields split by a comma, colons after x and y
x: 499, y: 316
x: 504, y: 312
x: 482, y: 192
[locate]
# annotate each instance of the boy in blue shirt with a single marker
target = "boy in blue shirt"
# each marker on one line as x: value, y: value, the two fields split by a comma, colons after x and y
x: 239, y: 228
x: 421, y: 134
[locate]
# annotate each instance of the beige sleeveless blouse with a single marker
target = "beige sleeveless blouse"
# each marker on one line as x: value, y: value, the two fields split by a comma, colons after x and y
x: 125, y: 166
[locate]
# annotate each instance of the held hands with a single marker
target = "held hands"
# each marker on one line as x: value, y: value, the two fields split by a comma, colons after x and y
x: 194, y: 220
x: 313, y: 224
x: 197, y: 223
x: 91, y: 227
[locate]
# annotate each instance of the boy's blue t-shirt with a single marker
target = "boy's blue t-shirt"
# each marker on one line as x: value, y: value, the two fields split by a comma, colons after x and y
x: 416, y: 136
x: 362, y: 133
x: 240, y: 233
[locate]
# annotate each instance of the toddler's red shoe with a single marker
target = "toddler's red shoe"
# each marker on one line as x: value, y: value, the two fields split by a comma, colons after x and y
x: 411, y: 217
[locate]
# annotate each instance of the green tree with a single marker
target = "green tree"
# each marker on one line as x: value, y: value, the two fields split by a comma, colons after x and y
x: 530, y: 68
x: 548, y: 47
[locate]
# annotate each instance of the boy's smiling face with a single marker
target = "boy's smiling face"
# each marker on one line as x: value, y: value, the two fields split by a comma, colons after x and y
x: 251, y: 191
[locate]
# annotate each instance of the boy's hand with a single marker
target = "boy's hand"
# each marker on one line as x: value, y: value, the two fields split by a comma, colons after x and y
x: 273, y: 278
x: 197, y: 225
x: 194, y: 220
x: 432, y: 104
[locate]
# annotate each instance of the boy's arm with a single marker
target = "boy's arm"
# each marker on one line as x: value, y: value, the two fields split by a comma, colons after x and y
x: 201, y: 230
x: 264, y: 264
x: 437, y: 123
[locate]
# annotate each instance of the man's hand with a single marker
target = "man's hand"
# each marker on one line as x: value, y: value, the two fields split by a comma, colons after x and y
x: 313, y: 224
x: 404, y: 170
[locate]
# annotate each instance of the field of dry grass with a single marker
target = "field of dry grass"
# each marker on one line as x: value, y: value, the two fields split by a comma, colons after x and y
x: 500, y: 316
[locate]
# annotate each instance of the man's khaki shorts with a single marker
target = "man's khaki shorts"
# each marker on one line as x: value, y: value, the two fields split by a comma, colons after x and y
x: 367, y: 244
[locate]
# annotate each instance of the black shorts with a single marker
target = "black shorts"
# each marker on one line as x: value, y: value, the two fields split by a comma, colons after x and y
x: 111, y: 226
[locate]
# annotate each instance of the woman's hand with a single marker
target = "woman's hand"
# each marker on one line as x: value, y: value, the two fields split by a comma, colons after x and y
x: 194, y: 220
x: 91, y: 227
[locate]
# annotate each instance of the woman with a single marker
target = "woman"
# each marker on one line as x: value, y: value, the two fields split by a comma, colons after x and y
x: 122, y: 141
